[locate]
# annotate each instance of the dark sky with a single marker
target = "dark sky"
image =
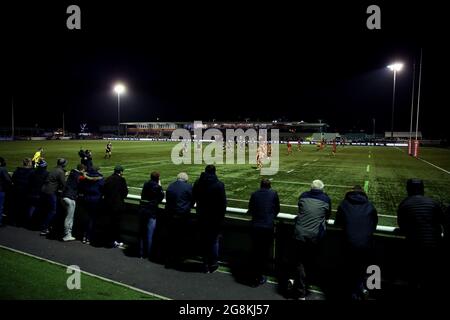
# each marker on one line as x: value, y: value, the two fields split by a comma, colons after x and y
x: 223, y: 60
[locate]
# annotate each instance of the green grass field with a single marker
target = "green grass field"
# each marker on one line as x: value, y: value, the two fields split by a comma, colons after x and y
x: 383, y: 170
x: 27, y: 278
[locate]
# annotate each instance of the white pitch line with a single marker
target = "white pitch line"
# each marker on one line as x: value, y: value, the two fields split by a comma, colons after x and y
x: 315, y: 160
x: 305, y: 164
x: 431, y: 164
x: 86, y: 273
x: 290, y: 171
x: 447, y: 172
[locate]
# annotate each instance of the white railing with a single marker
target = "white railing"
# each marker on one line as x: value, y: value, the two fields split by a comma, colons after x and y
x: 281, y: 215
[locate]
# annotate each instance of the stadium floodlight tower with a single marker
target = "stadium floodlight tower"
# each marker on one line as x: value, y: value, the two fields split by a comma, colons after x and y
x: 119, y: 88
x: 395, y: 67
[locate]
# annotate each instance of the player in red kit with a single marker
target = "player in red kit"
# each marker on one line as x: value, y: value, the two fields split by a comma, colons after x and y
x: 289, y: 146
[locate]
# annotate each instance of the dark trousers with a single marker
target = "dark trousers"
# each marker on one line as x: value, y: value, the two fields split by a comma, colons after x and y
x: 262, y: 239
x: 2, y: 201
x: 92, y: 208
x: 426, y: 274
x: 304, y: 257
x: 356, y: 262
x: 50, y: 203
x: 115, y: 216
x: 209, y: 239
x: 177, y: 239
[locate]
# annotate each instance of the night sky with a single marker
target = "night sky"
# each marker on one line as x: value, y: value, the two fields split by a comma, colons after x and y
x: 223, y: 61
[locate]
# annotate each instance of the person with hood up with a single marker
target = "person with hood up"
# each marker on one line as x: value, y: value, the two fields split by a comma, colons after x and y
x: 358, y: 219
x: 209, y: 195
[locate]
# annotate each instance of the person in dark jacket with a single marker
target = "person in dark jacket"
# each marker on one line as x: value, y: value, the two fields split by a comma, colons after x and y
x: 314, y: 208
x: 115, y: 193
x: 20, y: 191
x: 51, y: 190
x: 209, y: 194
x: 69, y: 197
x: 36, y: 181
x: 421, y: 220
x: 151, y: 196
x: 358, y: 218
x: 86, y: 158
x: 179, y: 201
x: 90, y: 192
x: 264, y: 206
x: 5, y: 184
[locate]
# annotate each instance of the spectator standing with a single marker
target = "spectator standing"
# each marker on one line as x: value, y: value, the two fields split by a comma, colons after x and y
x: 179, y: 201
x: 264, y: 206
x: 51, y: 191
x: 90, y: 190
x: 314, y: 208
x: 151, y: 196
x: 115, y: 193
x: 209, y: 195
x: 37, y: 180
x: 69, y: 197
x: 358, y: 219
x: 5, y: 184
x: 421, y: 220
x: 20, y: 191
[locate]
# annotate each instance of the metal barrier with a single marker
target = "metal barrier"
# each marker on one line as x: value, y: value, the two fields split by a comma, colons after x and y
x: 280, y: 216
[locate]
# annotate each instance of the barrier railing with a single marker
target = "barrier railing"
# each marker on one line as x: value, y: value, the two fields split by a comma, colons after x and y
x: 281, y: 215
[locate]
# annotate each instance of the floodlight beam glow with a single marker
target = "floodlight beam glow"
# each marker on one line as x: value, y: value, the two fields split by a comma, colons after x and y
x: 119, y: 88
x: 395, y: 66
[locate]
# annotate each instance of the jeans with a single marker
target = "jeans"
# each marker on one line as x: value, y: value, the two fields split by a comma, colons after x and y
x: 2, y: 201
x: 69, y: 206
x: 146, y: 238
x: 34, y: 203
x: 50, y: 202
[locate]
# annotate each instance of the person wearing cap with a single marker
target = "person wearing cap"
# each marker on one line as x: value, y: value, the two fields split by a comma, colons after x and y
x: 421, y: 220
x: 314, y: 208
x: 51, y: 190
x: 20, y: 191
x: 358, y: 219
x: 115, y: 192
x: 36, y: 181
x: 5, y: 184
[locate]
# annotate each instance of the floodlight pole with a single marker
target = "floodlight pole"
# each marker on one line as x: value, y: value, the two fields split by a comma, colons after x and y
x: 418, y: 94
x: 412, y: 104
x: 393, y: 104
x: 12, y: 118
x: 118, y: 114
